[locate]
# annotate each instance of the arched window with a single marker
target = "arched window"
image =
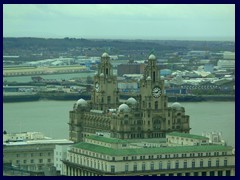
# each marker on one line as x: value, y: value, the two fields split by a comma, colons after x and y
x: 154, y: 76
x: 149, y: 105
x: 156, y: 105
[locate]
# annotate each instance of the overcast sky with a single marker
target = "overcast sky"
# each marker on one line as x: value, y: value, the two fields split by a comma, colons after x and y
x: 134, y: 21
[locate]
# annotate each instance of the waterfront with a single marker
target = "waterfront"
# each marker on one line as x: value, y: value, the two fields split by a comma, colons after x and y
x: 51, y: 117
x: 57, y: 77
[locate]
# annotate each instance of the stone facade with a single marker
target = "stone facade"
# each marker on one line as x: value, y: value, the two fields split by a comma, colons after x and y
x: 147, y: 116
x: 100, y: 156
x: 33, y: 156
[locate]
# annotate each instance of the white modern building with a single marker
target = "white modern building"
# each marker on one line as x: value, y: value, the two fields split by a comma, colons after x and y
x: 60, y: 154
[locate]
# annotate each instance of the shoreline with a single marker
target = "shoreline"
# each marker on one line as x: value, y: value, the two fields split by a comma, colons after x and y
x: 76, y: 96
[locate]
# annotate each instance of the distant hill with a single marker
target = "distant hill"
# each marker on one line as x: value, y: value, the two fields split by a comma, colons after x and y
x: 27, y: 48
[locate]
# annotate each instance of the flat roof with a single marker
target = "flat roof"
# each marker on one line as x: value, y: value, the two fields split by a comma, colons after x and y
x: 185, y: 135
x: 105, y: 139
x: 146, y: 151
x: 42, y: 141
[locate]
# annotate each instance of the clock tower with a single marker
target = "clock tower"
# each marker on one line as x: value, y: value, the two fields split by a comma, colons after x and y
x: 105, y: 93
x: 153, y: 101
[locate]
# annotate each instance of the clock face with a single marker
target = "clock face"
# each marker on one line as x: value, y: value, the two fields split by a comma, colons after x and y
x: 97, y: 87
x: 156, y: 92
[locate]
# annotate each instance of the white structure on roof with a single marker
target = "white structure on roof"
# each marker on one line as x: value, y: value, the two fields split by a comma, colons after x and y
x: 215, y: 138
x: 23, y: 136
x: 183, y: 139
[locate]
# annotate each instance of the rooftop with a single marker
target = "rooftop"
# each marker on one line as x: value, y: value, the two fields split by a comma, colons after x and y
x: 42, y: 141
x: 185, y: 135
x: 146, y: 151
x: 105, y: 139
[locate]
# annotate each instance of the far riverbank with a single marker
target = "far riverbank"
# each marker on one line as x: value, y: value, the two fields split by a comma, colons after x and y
x: 22, y: 97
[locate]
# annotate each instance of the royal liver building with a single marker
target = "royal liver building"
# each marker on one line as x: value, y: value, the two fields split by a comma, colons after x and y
x: 147, y: 116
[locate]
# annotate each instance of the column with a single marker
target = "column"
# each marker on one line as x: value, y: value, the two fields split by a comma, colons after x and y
x: 224, y: 173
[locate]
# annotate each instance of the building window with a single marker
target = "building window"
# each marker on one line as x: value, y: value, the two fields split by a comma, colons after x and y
x: 135, y: 167
x: 169, y: 165
x: 49, y: 154
x: 185, y: 164
x: 177, y: 165
x: 40, y: 161
x: 40, y: 154
x: 108, y: 99
x: 165, y: 104
x: 112, y: 169
x: 212, y: 173
x: 31, y: 154
x: 204, y: 173
x: 193, y: 164
x: 201, y: 163
x: 225, y: 162
x: 148, y: 114
x: 195, y: 174
x: 18, y: 155
x: 143, y: 167
x: 156, y: 105
x: 209, y: 163
x: 152, y: 166
x: 24, y: 161
x: 126, y: 167
x: 113, y: 158
x: 220, y: 173
x: 160, y: 165
x: 49, y: 160
x: 217, y: 162
x: 179, y: 174
x: 32, y: 160
x: 228, y: 173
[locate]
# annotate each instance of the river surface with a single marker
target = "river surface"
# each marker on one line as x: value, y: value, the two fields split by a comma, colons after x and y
x: 51, y: 117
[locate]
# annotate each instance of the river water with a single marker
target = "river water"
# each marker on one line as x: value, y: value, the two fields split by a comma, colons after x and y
x: 51, y: 117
